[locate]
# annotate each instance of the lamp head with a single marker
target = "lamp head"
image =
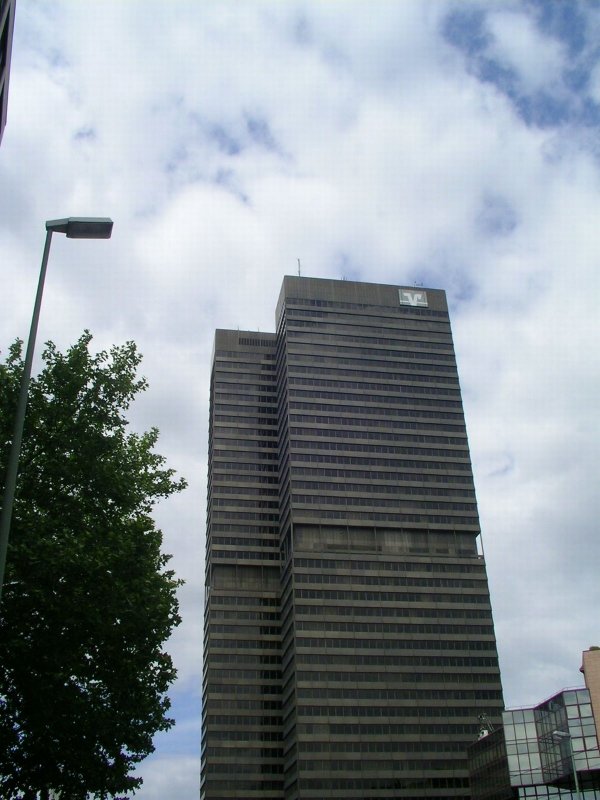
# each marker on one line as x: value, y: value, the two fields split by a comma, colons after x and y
x: 82, y: 227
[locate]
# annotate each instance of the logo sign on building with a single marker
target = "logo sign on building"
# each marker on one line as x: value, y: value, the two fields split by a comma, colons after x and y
x: 413, y: 297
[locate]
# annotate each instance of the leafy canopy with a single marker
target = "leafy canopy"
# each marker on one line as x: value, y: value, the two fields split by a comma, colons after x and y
x: 88, y: 601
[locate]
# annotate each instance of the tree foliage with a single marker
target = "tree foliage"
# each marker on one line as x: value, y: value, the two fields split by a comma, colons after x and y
x: 88, y: 601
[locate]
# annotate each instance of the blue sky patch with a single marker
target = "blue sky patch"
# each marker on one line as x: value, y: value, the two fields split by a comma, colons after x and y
x: 497, y: 217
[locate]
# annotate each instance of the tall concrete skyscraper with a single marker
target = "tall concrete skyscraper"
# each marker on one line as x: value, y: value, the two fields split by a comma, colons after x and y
x: 349, y: 642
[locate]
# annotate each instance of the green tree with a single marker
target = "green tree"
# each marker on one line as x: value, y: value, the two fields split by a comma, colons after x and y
x: 88, y: 601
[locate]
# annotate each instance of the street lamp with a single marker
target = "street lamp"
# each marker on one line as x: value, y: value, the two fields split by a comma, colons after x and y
x: 73, y: 228
x: 564, y: 735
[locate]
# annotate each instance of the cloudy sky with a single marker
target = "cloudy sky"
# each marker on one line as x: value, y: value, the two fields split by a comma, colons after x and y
x: 450, y: 144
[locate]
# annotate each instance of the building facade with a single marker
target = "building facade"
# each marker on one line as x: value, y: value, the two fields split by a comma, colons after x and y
x: 544, y: 751
x: 7, y: 22
x: 349, y: 642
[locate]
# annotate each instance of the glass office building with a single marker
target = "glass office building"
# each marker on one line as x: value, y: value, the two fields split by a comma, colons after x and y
x: 349, y: 642
x: 537, y: 752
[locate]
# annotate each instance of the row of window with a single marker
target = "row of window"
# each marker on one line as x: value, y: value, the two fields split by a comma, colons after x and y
x: 379, y: 488
x: 248, y: 375
x: 246, y: 490
x: 389, y: 611
x: 240, y: 600
x: 371, y: 308
x: 257, y: 358
x: 340, y: 338
x: 387, y: 314
x: 394, y: 597
x: 403, y: 463
x: 412, y: 628
x: 226, y: 437
x: 247, y: 541
x: 251, y: 532
x: 379, y: 412
x: 357, y: 447
x: 245, y: 736
x: 369, y: 373
x: 244, y: 658
x: 371, y: 516
x: 236, y: 689
x: 373, y: 399
x: 268, y: 400
x: 219, y: 478
x: 393, y: 729
x: 364, y: 785
x: 246, y: 644
x: 378, y: 502
x: 388, y: 580
x: 235, y: 466
x: 245, y: 753
x: 381, y: 765
x: 388, y: 386
x: 302, y: 344
x: 364, y: 422
x: 411, y: 711
x: 392, y: 390
x: 326, y: 321
x: 348, y: 323
x: 242, y: 704
x: 243, y: 784
x: 335, y: 362
x: 251, y: 362
x: 224, y: 440
x: 331, y: 676
x: 393, y: 746
x: 387, y: 565
x: 474, y: 696
x: 241, y: 676
x: 256, y: 341
x: 245, y: 630
x: 240, y: 720
x: 218, y: 502
x: 314, y: 644
x: 251, y: 420
x: 351, y: 433
x: 264, y: 385
x: 378, y: 475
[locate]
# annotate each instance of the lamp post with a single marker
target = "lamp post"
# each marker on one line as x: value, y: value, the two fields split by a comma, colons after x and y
x: 564, y: 735
x: 73, y: 228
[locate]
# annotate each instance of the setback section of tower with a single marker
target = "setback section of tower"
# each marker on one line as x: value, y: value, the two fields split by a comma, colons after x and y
x: 241, y: 714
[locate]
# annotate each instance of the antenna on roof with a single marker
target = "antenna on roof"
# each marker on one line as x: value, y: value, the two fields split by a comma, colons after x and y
x: 299, y: 275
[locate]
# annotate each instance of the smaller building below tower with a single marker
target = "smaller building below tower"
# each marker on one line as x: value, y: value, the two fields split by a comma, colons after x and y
x: 548, y: 750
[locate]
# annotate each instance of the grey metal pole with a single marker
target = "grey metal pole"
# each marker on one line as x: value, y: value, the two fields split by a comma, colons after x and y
x: 15, y: 447
x: 574, y: 766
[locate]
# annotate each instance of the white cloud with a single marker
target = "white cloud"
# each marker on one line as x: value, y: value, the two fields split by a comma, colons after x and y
x: 518, y: 44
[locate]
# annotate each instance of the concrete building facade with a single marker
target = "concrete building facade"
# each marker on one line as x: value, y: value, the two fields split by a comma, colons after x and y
x: 7, y: 22
x: 349, y: 642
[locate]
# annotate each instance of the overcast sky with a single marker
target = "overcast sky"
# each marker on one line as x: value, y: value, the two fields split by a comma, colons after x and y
x: 450, y: 144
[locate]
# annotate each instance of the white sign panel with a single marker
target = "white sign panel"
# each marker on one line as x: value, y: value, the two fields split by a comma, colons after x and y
x: 413, y: 297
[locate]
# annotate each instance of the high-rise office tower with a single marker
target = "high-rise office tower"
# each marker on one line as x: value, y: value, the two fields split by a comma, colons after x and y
x: 349, y: 643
